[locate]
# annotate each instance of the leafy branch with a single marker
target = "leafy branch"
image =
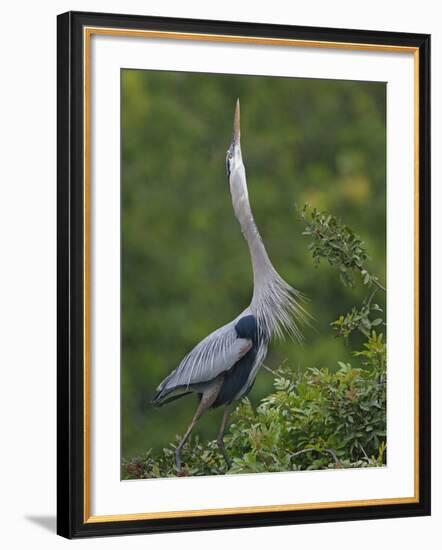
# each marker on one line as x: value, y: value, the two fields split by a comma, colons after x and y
x: 359, y: 319
x: 335, y: 242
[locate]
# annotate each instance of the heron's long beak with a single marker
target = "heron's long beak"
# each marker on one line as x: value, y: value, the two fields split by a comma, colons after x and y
x: 236, y: 124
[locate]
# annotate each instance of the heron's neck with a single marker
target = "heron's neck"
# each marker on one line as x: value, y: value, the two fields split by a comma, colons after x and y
x: 261, y: 264
x: 274, y: 302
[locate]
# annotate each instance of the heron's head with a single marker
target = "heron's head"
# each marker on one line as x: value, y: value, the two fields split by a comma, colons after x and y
x: 234, y: 163
x: 233, y: 155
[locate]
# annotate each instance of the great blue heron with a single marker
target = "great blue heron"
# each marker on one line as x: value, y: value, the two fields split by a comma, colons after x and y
x: 222, y: 368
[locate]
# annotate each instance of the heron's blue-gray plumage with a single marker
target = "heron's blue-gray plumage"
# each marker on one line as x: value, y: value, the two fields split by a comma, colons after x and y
x: 212, y: 357
x: 236, y: 378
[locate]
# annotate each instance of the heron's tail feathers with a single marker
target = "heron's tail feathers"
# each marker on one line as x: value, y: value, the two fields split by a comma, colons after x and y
x: 164, y: 395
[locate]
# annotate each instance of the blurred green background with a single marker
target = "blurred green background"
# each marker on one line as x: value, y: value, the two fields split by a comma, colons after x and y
x: 185, y: 265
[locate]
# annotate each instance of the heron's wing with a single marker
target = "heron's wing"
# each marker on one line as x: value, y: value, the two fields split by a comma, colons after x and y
x: 217, y: 353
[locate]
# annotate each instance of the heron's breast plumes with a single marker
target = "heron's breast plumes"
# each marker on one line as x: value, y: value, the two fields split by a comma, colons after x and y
x: 278, y: 308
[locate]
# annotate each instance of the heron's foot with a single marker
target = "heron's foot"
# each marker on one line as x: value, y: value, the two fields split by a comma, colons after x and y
x: 222, y: 448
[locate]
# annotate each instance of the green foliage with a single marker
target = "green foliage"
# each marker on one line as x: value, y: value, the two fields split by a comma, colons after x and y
x: 358, y: 319
x: 338, y: 244
x: 374, y: 354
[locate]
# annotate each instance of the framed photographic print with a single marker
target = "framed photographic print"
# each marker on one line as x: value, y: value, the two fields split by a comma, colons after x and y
x: 243, y: 274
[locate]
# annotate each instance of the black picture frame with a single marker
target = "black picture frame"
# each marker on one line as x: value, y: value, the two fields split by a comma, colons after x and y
x: 72, y: 521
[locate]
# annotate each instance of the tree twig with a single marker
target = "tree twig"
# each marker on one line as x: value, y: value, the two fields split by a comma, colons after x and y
x: 274, y: 372
x: 363, y: 450
x: 378, y: 284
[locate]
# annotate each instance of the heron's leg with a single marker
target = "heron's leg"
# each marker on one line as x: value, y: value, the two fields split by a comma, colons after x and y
x: 199, y: 411
x: 220, y: 439
x: 207, y: 400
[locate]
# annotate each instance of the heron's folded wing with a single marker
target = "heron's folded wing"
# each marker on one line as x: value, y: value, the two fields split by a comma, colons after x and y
x: 217, y: 353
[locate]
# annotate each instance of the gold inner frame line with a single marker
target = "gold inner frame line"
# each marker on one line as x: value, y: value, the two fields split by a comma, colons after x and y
x: 87, y: 34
